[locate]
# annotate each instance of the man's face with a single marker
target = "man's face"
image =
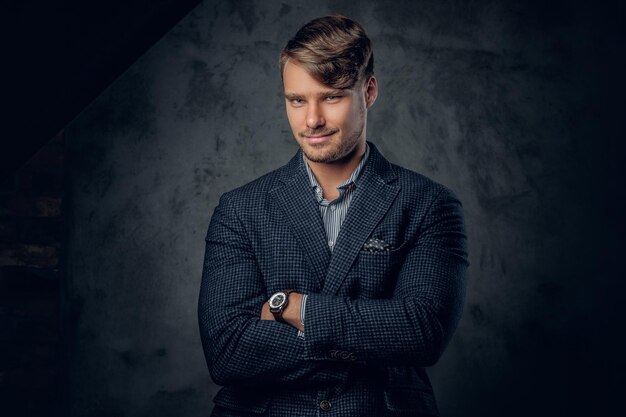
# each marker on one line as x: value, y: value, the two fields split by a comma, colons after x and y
x: 327, y: 123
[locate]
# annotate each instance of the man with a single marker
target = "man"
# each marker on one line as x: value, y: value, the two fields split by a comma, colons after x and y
x: 330, y: 283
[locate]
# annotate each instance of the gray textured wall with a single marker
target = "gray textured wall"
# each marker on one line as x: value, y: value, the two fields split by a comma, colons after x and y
x: 499, y: 102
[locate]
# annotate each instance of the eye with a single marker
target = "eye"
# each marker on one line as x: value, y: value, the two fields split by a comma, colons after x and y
x: 296, y: 101
x: 333, y: 99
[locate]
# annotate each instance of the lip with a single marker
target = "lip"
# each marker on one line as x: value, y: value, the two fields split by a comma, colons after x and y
x: 318, y: 139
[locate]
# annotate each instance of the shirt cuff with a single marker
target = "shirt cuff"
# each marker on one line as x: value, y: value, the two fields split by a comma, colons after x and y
x: 302, y: 312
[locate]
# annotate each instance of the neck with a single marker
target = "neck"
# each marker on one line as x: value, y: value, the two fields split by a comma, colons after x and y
x: 330, y: 175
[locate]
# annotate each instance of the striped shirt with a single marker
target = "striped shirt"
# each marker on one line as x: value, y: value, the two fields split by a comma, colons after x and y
x: 333, y: 212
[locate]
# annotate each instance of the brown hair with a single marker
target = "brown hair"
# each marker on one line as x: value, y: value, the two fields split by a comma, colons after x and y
x: 334, y: 50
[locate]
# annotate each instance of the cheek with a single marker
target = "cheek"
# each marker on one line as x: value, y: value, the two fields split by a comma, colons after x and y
x: 349, y: 119
x: 338, y: 117
x: 293, y: 118
x: 351, y: 113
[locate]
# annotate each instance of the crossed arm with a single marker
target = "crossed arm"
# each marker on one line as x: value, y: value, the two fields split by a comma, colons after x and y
x: 243, y: 344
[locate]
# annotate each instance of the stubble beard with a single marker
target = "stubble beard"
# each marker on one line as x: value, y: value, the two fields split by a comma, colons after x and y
x: 336, y: 151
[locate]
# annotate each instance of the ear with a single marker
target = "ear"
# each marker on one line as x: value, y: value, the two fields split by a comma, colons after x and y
x: 371, y: 91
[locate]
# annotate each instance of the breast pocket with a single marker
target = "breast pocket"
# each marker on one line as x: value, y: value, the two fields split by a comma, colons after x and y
x: 376, y: 273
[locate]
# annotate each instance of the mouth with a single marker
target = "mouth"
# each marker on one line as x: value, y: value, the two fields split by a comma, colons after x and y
x: 318, y: 137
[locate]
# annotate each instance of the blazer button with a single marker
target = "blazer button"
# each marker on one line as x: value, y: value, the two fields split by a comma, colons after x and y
x: 325, y: 405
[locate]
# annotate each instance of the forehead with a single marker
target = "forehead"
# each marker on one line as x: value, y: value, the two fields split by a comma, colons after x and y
x: 296, y: 80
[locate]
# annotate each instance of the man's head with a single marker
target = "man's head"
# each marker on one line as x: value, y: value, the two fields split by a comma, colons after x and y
x: 327, y: 71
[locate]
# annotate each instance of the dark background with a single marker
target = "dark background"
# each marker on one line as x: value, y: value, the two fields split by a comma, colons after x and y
x: 518, y: 108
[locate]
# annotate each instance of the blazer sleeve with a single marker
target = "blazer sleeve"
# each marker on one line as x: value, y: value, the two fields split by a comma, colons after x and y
x: 239, y: 347
x: 414, y: 326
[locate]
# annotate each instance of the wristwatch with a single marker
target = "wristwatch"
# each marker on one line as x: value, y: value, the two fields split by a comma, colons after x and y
x: 278, y: 302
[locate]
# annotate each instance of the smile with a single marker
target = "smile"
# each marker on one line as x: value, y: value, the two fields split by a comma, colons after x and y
x: 318, y: 138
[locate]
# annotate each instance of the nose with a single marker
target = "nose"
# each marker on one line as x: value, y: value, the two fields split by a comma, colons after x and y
x: 314, y: 117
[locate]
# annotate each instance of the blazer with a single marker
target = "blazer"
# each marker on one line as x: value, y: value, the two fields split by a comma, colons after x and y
x: 374, y: 319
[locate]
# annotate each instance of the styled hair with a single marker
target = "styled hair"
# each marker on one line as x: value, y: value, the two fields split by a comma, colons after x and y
x: 333, y: 49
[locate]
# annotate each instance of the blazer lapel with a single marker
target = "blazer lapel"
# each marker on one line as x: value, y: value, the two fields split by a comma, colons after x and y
x: 296, y: 199
x: 375, y: 191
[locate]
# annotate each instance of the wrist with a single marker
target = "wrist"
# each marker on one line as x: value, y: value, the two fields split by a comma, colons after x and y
x: 291, y: 315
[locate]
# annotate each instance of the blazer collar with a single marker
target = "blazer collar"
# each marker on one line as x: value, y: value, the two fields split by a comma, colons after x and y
x: 376, y: 189
x: 296, y: 198
x: 375, y: 192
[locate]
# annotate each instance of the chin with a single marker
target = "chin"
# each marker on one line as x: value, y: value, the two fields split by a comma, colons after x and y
x: 323, y: 153
x: 317, y: 156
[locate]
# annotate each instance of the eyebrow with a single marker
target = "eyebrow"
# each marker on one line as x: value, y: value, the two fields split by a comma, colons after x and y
x: 291, y: 96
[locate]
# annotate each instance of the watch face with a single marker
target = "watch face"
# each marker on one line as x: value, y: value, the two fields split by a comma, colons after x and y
x: 277, y: 300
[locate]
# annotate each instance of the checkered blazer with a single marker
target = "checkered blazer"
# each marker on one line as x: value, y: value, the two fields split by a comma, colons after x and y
x: 374, y: 319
